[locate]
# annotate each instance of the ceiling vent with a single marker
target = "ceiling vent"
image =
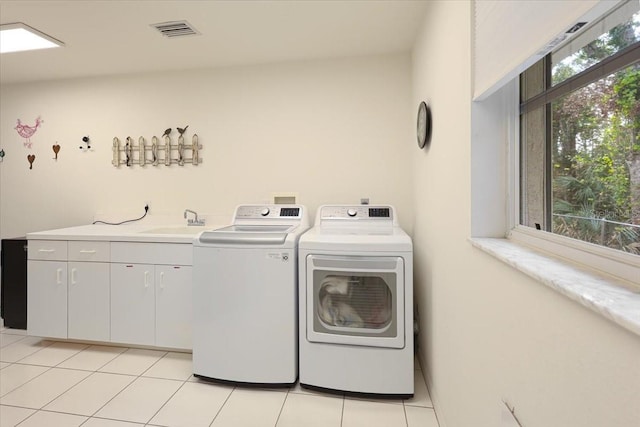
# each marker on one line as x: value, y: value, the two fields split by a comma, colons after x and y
x: 175, y: 29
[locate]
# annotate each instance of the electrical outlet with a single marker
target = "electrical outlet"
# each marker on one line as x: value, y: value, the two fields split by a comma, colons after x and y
x: 284, y: 198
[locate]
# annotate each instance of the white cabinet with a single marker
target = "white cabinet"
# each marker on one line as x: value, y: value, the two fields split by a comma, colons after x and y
x: 151, y: 294
x: 88, y: 301
x: 47, y: 298
x: 151, y: 305
x: 173, y: 306
x: 122, y: 292
x: 88, y: 290
x: 133, y: 303
x: 67, y: 292
x: 47, y: 288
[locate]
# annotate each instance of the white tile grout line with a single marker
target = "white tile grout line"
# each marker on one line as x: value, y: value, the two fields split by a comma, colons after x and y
x: 111, y: 360
x: 281, y: 408
x: 47, y: 410
x: 42, y: 373
x: 406, y: 419
x: 153, y: 364
x: 19, y: 361
x: 136, y: 377
x: 222, y: 406
x: 170, y: 379
x: 40, y: 409
x: 30, y: 354
x: 92, y: 373
x: 89, y: 417
x: 167, y: 401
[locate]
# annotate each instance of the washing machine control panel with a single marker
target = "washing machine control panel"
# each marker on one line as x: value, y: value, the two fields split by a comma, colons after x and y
x: 358, y: 212
x: 268, y: 211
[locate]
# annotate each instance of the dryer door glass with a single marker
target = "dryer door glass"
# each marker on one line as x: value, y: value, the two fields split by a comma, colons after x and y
x: 355, y: 300
x: 362, y: 302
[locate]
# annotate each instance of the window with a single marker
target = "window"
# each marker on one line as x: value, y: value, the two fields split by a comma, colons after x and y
x: 580, y: 136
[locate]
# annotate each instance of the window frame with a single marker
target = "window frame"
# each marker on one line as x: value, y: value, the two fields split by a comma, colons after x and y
x: 619, y: 264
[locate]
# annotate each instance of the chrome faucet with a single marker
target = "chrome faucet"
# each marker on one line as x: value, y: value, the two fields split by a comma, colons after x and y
x: 195, y: 220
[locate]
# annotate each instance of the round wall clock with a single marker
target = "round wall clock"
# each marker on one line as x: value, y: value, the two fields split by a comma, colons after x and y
x: 424, y: 124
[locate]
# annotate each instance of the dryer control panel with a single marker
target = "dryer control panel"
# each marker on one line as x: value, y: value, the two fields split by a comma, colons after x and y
x: 268, y: 211
x: 357, y: 212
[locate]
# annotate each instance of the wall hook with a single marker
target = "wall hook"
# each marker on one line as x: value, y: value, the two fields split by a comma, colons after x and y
x: 56, y: 149
x: 87, y: 143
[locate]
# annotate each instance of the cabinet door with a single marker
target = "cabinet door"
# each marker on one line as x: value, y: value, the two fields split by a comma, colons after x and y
x: 173, y: 306
x: 132, y: 304
x: 89, y: 308
x: 47, y: 298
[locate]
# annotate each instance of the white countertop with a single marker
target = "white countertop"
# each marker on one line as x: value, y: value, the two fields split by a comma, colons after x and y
x: 159, y: 233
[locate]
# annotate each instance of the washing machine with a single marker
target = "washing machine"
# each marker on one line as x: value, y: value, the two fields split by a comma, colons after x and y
x: 245, y: 297
x: 356, y: 303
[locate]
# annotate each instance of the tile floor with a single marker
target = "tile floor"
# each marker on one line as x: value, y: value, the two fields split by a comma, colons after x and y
x: 60, y: 384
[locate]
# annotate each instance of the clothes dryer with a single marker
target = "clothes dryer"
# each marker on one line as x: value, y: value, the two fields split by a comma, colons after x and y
x: 356, y: 302
x: 245, y: 297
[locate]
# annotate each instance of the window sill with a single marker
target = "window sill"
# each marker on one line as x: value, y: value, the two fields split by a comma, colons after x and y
x: 604, y: 295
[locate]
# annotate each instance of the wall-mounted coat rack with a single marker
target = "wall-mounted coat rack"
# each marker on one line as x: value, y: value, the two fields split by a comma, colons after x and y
x: 155, y: 153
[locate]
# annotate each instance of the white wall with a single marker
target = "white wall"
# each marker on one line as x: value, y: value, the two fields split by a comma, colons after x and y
x: 330, y: 131
x: 489, y: 333
x: 511, y: 35
x: 335, y: 131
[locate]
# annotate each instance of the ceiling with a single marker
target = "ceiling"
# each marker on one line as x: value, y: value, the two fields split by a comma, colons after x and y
x: 106, y: 37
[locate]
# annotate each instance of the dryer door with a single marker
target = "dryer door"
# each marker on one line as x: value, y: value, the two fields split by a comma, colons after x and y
x: 355, y: 300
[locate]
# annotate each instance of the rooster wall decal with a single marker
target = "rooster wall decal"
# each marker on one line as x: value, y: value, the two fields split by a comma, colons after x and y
x: 27, y: 131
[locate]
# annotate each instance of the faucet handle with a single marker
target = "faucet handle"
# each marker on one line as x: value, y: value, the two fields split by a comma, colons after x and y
x: 195, y: 220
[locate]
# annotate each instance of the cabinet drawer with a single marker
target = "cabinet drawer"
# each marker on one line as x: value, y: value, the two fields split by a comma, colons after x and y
x: 89, y: 251
x: 50, y: 250
x: 152, y: 253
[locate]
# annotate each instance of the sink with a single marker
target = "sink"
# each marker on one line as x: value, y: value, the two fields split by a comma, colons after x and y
x: 175, y: 230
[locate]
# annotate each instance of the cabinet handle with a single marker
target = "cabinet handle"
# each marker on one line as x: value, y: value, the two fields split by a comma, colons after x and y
x: 162, y: 280
x: 59, y: 276
x: 46, y: 250
x: 73, y: 275
x: 86, y: 251
x: 146, y: 279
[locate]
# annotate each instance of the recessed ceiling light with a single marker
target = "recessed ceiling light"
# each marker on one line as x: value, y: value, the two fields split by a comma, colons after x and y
x: 18, y: 37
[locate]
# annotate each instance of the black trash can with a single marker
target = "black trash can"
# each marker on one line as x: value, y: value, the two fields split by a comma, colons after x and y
x: 13, y: 282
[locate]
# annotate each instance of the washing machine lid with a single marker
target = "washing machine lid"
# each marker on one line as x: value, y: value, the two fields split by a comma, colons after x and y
x: 260, y: 225
x: 256, y: 228
x: 248, y: 235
